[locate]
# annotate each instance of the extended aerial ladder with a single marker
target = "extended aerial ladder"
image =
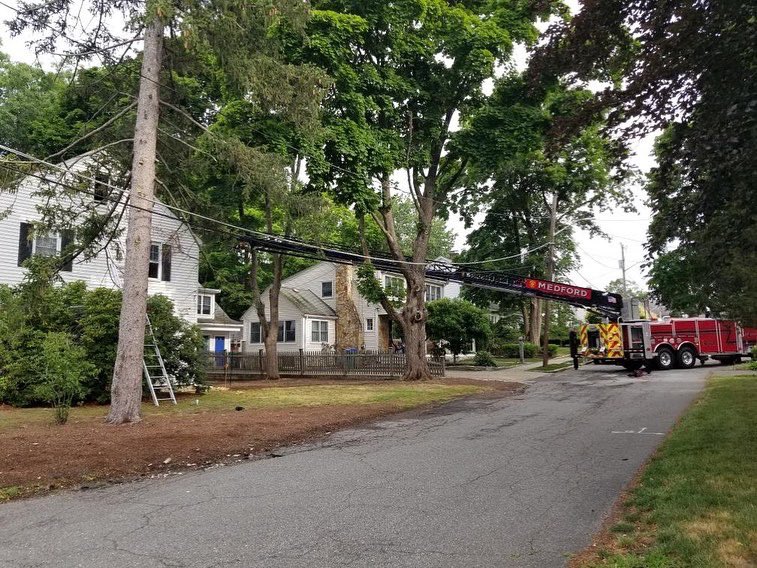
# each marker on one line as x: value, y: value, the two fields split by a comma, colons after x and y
x: 607, y: 304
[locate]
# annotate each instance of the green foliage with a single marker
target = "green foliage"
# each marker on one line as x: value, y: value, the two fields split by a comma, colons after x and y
x: 678, y: 67
x: 64, y: 368
x: 457, y: 322
x: 512, y: 350
x: 484, y: 359
x: 88, y: 321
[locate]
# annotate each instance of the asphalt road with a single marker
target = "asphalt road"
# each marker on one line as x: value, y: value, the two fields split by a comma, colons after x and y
x: 518, y: 482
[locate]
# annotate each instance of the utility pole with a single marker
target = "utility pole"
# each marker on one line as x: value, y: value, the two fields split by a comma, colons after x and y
x: 126, y: 391
x: 626, y: 299
x: 550, y: 276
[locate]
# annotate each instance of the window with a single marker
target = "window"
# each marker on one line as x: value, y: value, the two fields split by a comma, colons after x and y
x: 286, y: 331
x: 160, y: 262
x: 47, y: 245
x: 154, y: 260
x: 327, y: 289
x: 394, y: 286
x: 204, y: 304
x: 255, y: 332
x: 101, y: 187
x: 433, y: 292
x: 369, y: 324
x: 320, y: 331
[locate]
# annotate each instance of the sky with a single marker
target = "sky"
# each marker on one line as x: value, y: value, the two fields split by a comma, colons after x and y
x: 599, y: 257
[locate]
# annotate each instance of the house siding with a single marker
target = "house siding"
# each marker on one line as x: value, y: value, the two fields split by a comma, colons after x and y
x: 287, y: 311
x: 103, y: 270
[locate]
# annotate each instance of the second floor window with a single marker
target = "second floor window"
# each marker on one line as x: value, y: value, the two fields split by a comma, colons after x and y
x: 160, y: 262
x: 327, y: 289
x: 369, y: 324
x: 47, y: 245
x: 204, y: 304
x: 394, y: 286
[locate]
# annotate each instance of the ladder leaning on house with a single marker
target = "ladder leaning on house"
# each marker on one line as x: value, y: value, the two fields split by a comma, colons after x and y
x: 154, y: 369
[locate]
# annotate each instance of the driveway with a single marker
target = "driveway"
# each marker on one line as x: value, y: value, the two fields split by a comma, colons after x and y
x: 518, y: 482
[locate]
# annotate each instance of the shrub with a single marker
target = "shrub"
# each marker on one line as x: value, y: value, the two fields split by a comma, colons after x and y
x: 551, y: 349
x: 753, y: 353
x: 90, y: 318
x: 484, y: 359
x: 64, y: 366
x: 512, y: 350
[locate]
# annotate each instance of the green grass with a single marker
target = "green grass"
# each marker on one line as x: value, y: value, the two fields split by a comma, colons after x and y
x: 696, y: 503
x: 9, y: 492
x: 552, y: 367
x: 402, y: 395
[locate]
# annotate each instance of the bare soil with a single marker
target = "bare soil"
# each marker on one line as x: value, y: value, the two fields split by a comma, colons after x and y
x: 40, y: 457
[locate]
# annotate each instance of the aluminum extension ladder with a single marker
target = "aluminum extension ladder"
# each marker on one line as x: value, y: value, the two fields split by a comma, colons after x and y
x: 154, y: 369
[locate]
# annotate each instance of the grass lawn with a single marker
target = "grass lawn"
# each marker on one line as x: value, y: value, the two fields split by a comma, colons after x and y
x: 696, y: 502
x: 219, y: 399
x: 224, y: 425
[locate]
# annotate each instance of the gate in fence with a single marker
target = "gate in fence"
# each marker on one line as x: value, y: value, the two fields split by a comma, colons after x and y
x: 317, y: 364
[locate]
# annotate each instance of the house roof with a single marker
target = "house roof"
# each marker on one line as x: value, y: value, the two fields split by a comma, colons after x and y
x: 307, y: 302
x: 219, y: 318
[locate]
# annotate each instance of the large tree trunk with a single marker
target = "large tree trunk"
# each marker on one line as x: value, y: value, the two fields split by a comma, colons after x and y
x: 271, y: 338
x: 126, y: 390
x: 534, y: 335
x: 414, y: 326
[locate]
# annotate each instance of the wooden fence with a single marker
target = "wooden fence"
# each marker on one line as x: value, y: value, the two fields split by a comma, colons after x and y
x: 315, y: 364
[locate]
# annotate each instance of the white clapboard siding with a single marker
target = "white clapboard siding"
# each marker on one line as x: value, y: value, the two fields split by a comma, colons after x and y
x: 311, y: 345
x: 287, y: 311
x: 106, y: 268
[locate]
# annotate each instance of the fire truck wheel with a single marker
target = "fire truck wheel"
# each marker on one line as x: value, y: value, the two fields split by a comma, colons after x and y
x: 665, y: 359
x: 687, y: 357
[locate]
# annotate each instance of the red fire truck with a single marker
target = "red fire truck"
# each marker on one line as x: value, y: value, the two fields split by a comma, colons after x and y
x: 680, y: 342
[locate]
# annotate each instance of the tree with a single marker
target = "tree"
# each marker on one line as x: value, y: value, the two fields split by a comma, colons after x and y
x: 457, y: 323
x: 402, y: 72
x: 517, y: 175
x: 685, y: 68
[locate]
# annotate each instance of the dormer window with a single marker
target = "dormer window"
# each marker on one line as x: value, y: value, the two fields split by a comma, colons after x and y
x: 204, y: 305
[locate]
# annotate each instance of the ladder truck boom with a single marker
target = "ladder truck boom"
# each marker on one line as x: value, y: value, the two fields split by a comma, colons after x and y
x: 606, y: 303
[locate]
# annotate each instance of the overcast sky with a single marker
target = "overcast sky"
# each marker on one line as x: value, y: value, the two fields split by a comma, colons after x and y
x: 599, y: 257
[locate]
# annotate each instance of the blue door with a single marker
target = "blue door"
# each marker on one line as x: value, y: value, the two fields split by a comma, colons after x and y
x: 220, y: 348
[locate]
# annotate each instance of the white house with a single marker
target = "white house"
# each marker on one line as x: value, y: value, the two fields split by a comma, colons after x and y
x: 80, y: 186
x: 321, y: 306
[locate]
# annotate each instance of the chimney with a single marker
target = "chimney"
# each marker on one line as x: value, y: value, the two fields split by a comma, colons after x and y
x: 349, y: 325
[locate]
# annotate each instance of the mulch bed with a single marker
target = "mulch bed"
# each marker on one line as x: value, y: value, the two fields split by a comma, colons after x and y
x: 41, y: 457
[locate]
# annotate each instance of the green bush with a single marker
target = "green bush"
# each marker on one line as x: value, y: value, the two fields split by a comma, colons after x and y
x: 552, y: 350
x: 484, y: 359
x: 511, y: 350
x: 29, y: 312
x: 63, y: 368
x: 753, y: 353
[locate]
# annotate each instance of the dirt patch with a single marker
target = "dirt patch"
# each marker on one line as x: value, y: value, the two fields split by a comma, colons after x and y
x: 40, y: 457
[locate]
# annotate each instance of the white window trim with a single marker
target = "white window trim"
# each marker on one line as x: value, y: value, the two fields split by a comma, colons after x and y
x: 320, y: 331
x: 428, y: 295
x: 212, y: 305
x: 159, y: 261
x: 58, y: 243
x: 370, y: 324
x: 332, y: 288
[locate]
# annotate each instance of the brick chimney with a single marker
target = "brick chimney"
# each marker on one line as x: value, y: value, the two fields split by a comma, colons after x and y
x: 349, y: 325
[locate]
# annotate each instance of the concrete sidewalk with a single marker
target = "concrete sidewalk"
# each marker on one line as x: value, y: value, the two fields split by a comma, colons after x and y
x: 519, y: 373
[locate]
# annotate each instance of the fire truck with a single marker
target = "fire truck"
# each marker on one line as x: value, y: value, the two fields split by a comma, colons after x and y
x: 633, y: 344
x: 676, y: 342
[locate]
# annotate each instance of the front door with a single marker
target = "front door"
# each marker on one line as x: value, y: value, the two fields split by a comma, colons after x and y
x: 220, y: 348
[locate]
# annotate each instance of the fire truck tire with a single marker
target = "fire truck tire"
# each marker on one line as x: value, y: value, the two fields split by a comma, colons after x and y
x: 633, y: 365
x: 665, y: 359
x: 687, y: 357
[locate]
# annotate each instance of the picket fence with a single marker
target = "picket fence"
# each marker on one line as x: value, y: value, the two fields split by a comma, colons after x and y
x: 316, y: 363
